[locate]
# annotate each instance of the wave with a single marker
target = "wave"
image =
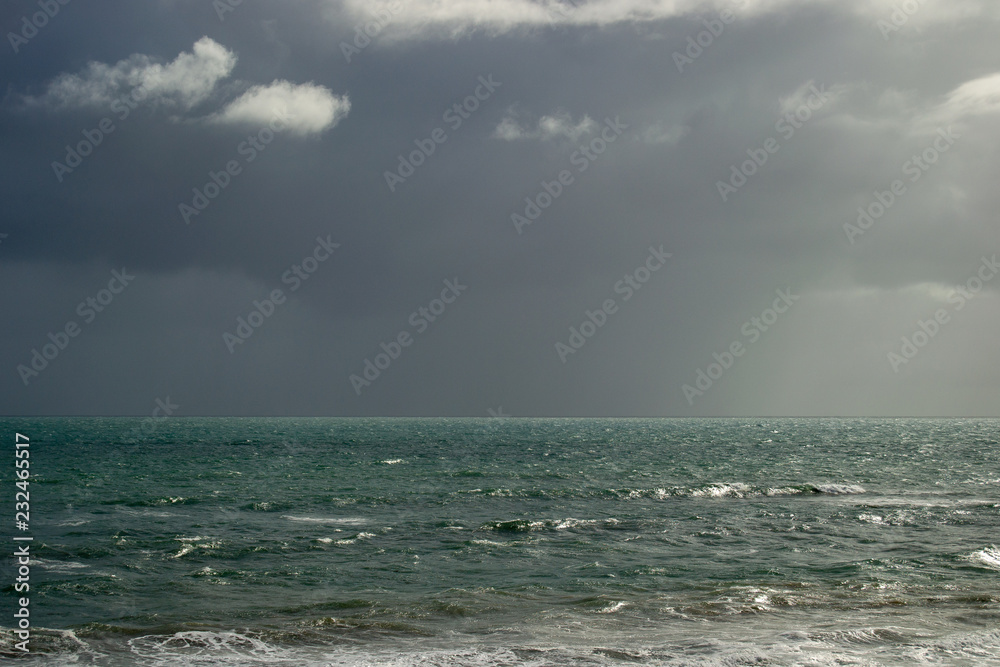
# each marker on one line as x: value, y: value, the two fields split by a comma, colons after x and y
x: 613, y: 607
x: 715, y: 490
x: 312, y: 647
x: 154, y: 502
x: 490, y: 492
x: 839, y: 489
x: 867, y: 636
x: 344, y: 521
x: 73, y: 522
x: 145, y: 512
x: 359, y: 536
x: 739, y: 490
x: 197, y: 647
x: 529, y: 525
x: 989, y: 558
x: 62, y: 642
x: 60, y: 567
x: 190, y: 544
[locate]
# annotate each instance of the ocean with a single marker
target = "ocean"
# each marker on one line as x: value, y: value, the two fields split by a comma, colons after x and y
x: 496, y: 542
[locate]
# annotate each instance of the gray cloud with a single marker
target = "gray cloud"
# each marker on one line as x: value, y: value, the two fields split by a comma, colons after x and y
x: 553, y: 126
x: 564, y: 74
x: 187, y: 81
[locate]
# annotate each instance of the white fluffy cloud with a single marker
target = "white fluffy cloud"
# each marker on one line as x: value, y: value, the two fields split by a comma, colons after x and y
x: 972, y: 98
x: 185, y: 82
x: 417, y: 19
x: 188, y: 81
x: 455, y: 17
x: 307, y: 107
x: 560, y: 124
x: 963, y: 104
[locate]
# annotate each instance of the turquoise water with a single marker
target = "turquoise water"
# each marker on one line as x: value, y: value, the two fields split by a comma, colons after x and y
x: 511, y: 542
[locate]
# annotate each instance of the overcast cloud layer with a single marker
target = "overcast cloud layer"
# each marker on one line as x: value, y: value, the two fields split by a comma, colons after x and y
x: 613, y: 207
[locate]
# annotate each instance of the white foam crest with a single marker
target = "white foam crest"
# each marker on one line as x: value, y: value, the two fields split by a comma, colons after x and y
x: 862, y: 647
x: 524, y: 525
x: 346, y: 521
x: 723, y: 490
x: 146, y: 512
x: 494, y: 493
x: 73, y: 522
x: 840, y: 489
x: 742, y: 599
x: 988, y: 557
x: 489, y: 543
x: 857, y: 647
x: 185, y: 550
x: 359, y: 536
x: 547, y: 656
x: 744, y: 490
x: 189, y: 544
x: 574, y: 523
x: 783, y: 491
x: 67, y: 567
x: 209, y: 648
x: 894, y: 518
x: 873, y: 519
x: 975, y: 648
x: 59, y: 642
x: 501, y: 657
x: 861, y: 636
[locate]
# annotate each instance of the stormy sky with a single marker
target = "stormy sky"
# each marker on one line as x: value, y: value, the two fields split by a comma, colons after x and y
x: 513, y: 207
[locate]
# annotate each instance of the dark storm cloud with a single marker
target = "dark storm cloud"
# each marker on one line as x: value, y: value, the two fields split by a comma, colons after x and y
x: 563, y: 77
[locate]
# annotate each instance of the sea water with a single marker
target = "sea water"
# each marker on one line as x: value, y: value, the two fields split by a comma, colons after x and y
x: 486, y: 542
